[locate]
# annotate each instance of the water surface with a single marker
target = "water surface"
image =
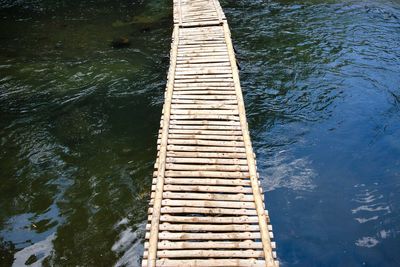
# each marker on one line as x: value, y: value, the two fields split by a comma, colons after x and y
x: 79, y: 120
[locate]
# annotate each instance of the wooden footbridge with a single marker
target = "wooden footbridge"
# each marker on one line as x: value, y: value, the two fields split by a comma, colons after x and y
x: 207, y: 207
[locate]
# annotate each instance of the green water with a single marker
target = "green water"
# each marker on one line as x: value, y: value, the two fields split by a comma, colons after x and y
x: 79, y: 122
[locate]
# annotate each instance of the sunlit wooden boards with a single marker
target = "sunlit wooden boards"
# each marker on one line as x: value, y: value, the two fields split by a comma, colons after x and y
x: 189, y: 13
x: 206, y: 206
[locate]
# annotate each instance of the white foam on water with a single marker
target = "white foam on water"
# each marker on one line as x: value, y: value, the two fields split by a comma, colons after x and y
x: 122, y: 222
x: 129, y: 245
x: 384, y: 233
x: 364, y: 220
x: 367, y: 242
x: 40, y: 249
x: 371, y: 209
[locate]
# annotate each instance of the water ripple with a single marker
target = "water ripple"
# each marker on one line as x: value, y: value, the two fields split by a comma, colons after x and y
x: 373, y: 209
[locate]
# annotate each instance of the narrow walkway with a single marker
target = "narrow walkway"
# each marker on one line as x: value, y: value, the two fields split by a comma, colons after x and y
x: 206, y: 208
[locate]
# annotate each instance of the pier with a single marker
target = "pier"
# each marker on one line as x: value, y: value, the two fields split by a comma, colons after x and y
x: 207, y: 206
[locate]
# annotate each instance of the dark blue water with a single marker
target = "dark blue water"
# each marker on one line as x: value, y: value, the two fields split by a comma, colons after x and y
x: 322, y: 88
x: 79, y: 120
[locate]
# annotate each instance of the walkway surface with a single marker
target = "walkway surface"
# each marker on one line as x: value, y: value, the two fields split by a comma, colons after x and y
x: 206, y: 208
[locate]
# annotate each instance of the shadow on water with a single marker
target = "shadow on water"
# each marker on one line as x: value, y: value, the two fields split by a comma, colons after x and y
x: 79, y: 120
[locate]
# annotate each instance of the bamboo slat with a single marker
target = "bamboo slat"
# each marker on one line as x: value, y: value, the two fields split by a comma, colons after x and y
x: 209, y: 262
x: 209, y: 245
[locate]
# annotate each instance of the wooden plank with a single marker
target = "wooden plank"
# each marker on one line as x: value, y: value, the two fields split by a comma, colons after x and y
x: 209, y: 254
x: 206, y: 181
x: 203, y: 45
x: 219, y: 137
x: 204, y: 54
x: 205, y: 102
x: 213, y: 97
x: 211, y: 167
x: 209, y: 174
x: 194, y: 19
x: 205, y: 160
x: 206, y: 127
x: 216, y: 84
x: 194, y: 60
x: 194, y: 132
x: 218, y: 54
x: 220, y: 211
x: 201, y: 30
x: 203, y: 131
x: 207, y: 236
x: 199, y: 142
x: 208, y: 245
x: 208, y: 204
x: 209, y: 262
x: 177, y: 148
x: 207, y: 155
x: 208, y: 189
x: 204, y: 116
x: 203, y: 87
x: 205, y: 122
x: 218, y: 106
x: 201, y: 34
x: 201, y: 71
x: 184, y: 59
x: 206, y: 196
x: 180, y: 111
x: 204, y: 79
x: 219, y: 68
x: 209, y: 220
x: 196, y: 24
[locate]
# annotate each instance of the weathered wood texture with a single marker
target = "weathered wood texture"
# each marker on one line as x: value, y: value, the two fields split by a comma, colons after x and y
x: 206, y: 208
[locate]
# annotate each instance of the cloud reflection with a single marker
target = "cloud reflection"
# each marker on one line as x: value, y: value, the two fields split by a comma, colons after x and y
x: 283, y: 170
